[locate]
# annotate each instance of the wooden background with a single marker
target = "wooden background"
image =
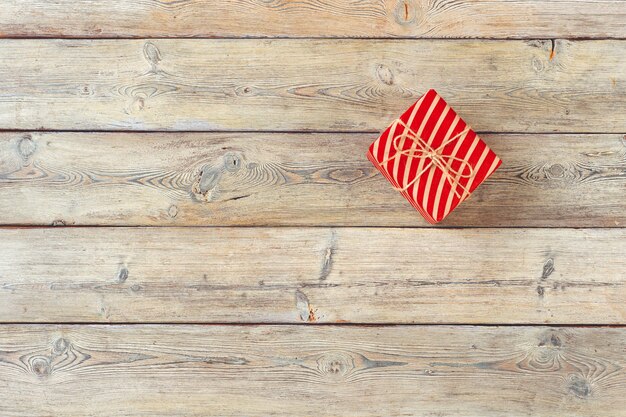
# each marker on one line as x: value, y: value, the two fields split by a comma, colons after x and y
x: 292, y: 280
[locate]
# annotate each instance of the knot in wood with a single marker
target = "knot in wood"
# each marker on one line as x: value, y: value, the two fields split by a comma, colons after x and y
x: 86, y: 90
x: 550, y: 340
x: 347, y: 175
x: 232, y: 162
x: 304, y: 308
x: 122, y: 275
x: 405, y: 12
x: 26, y: 147
x: 548, y: 268
x: 541, y: 360
x: 40, y: 366
x: 151, y: 53
x: 172, y: 211
x: 578, y: 386
x: 245, y: 91
x: 60, y: 346
x: 544, y: 358
x: 384, y: 74
x: 537, y: 64
x: 336, y: 365
x: 205, y: 183
x: 547, y: 356
x: 556, y: 171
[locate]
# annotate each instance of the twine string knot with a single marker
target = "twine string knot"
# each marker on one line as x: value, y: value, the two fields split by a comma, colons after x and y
x: 420, y: 149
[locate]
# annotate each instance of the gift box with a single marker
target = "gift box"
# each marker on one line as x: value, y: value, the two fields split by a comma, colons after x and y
x: 432, y: 157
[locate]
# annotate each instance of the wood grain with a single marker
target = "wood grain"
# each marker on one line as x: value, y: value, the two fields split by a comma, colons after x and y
x: 196, y: 179
x: 305, y: 275
x: 315, y: 18
x: 322, y: 85
x: 321, y: 371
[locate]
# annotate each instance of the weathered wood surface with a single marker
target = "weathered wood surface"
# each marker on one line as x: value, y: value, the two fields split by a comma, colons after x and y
x: 337, y: 85
x: 321, y: 371
x: 303, y: 275
x: 314, y: 18
x: 194, y: 179
x: 307, y: 275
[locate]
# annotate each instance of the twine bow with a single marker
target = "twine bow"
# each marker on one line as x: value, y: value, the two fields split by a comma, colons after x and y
x: 435, y: 156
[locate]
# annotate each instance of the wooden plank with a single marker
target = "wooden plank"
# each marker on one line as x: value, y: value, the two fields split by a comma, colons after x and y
x: 315, y: 18
x: 322, y: 371
x: 286, y: 85
x: 196, y: 179
x: 303, y: 275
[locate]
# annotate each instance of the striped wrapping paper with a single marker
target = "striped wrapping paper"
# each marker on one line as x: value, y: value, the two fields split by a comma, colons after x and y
x: 433, y: 157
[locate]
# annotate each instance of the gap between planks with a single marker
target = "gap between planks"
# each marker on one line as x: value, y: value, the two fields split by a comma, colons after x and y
x: 309, y: 324
x: 329, y: 38
x: 289, y: 132
x: 297, y: 226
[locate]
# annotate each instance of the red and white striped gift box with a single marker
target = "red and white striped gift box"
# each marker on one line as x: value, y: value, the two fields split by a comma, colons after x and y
x: 433, y: 157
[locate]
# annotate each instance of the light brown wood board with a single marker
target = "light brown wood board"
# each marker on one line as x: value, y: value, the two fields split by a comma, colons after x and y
x: 321, y: 370
x: 315, y: 18
x: 314, y: 85
x: 313, y: 275
x: 218, y: 179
